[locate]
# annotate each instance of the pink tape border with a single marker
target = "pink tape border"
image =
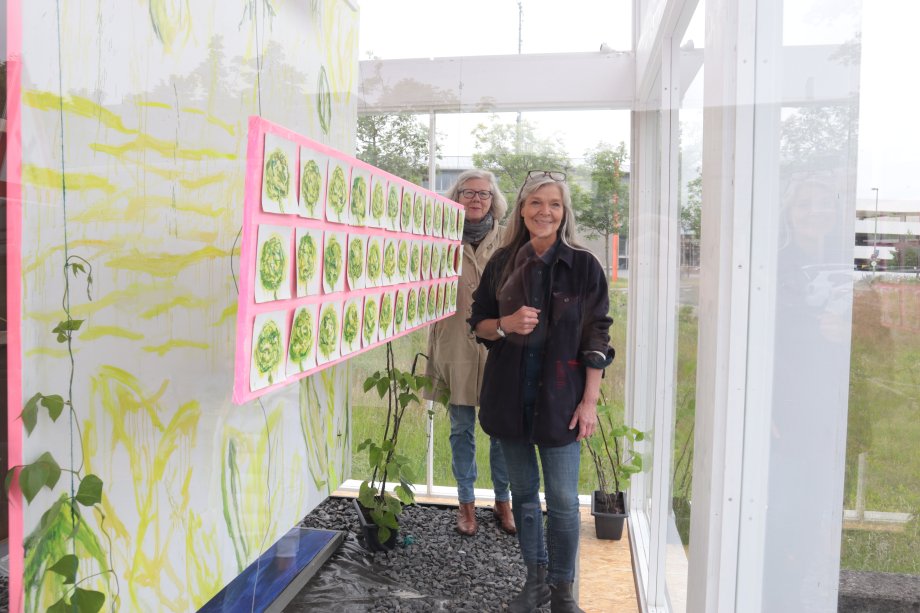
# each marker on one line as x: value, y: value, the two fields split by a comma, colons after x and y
x: 14, y: 290
x: 253, y: 216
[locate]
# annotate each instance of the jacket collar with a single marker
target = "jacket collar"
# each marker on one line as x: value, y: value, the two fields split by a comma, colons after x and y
x: 564, y: 253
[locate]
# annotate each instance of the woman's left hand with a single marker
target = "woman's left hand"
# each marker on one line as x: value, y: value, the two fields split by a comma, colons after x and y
x: 585, y: 418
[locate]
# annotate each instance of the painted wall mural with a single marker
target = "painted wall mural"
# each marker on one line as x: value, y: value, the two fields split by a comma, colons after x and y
x: 141, y: 483
x: 282, y: 334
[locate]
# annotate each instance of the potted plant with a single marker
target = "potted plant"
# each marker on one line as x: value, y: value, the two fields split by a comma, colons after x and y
x: 611, y: 449
x: 378, y: 509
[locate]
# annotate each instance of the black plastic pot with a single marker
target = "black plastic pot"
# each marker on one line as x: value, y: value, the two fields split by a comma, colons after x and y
x: 369, y: 530
x: 608, y: 526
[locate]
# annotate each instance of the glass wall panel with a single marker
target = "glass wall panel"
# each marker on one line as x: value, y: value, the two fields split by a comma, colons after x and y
x: 689, y: 82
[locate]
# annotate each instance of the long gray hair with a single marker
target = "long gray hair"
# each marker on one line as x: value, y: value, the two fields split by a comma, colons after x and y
x: 499, y: 204
x: 518, y: 235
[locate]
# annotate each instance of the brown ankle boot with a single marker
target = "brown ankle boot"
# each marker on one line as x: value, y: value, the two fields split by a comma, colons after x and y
x: 466, y: 519
x: 504, y: 516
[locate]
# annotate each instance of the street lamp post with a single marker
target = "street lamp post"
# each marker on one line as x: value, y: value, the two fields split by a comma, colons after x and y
x: 875, y: 234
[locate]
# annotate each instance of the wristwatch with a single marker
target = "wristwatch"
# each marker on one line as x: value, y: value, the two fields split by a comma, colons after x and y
x: 498, y: 328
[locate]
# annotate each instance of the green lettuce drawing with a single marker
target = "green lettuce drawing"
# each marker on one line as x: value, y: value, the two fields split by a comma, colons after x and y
x: 328, y: 330
x: 426, y: 259
x: 386, y: 312
x: 410, y: 305
x: 377, y: 202
x: 373, y: 261
x: 332, y: 261
x: 306, y: 258
x: 403, y: 258
x: 355, y: 260
x: 277, y: 177
x: 350, y: 324
x: 422, y: 302
x: 393, y: 206
x: 438, y: 217
x: 400, y: 311
x: 414, y: 259
x: 370, y: 320
x: 301, y: 338
x: 451, y: 222
x: 268, y: 350
x: 418, y: 213
x: 432, y: 300
x: 405, y: 217
x: 453, y: 295
x: 310, y: 184
x: 338, y: 192
x: 436, y: 261
x: 429, y: 217
x: 389, y: 260
x: 272, y: 263
x: 358, y: 200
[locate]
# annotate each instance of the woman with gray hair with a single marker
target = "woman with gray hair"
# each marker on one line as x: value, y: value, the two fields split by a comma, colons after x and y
x: 542, y: 310
x: 456, y: 360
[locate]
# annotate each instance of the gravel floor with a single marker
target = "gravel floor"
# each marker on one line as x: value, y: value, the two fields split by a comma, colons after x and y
x: 434, y: 569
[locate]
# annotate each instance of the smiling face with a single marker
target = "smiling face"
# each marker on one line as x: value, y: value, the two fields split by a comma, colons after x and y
x: 475, y: 208
x: 543, y: 212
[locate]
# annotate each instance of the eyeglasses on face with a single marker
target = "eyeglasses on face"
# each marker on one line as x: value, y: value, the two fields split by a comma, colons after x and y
x: 555, y: 175
x: 469, y: 193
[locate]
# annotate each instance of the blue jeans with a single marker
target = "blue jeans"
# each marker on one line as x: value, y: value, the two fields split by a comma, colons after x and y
x: 463, y: 455
x: 563, y: 519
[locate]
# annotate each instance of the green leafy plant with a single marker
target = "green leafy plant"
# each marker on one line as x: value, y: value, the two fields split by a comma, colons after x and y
x: 277, y: 177
x: 615, y: 460
x: 401, y: 389
x: 272, y: 263
x: 310, y: 183
x: 85, y: 489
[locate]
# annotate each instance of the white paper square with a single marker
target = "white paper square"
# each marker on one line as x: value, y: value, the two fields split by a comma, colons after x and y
x: 411, y: 308
x: 461, y: 218
x: 356, y: 261
x: 308, y: 252
x: 399, y: 311
x: 402, y: 260
x: 351, y: 325
x: 360, y: 196
x: 442, y: 298
x: 301, y: 349
x: 432, y: 301
x: 377, y: 213
x: 415, y: 260
x: 429, y: 216
x: 385, y: 321
x: 389, y: 261
x: 273, y: 263
x: 449, y: 261
x: 422, y: 305
x: 329, y: 332
x: 394, y: 195
x: 405, y: 213
x: 437, y: 259
x: 452, y: 298
x: 418, y: 214
x: 426, y: 260
x: 371, y: 320
x: 338, y: 189
x: 269, y: 346
x: 334, y: 246
x: 374, y: 268
x: 279, y: 174
x: 450, y: 221
x: 314, y: 169
x: 437, y: 228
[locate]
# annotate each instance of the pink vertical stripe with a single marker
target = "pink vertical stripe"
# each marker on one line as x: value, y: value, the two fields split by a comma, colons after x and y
x: 14, y: 288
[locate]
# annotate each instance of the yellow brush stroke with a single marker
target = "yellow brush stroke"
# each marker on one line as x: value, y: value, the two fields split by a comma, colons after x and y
x: 212, y: 120
x: 200, y: 236
x: 166, y: 148
x: 175, y: 344
x: 203, y: 181
x: 165, y: 265
x: 48, y: 351
x: 155, y: 105
x: 227, y: 313
x: 95, y: 332
x: 75, y: 105
x: 184, y: 301
x: 126, y: 295
x: 51, y: 179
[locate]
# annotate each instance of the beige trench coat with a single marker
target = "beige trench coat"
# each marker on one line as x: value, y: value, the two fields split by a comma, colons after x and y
x: 455, y: 359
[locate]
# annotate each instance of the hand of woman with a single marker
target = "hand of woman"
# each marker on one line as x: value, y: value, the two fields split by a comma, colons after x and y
x: 585, y: 418
x: 522, y: 321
